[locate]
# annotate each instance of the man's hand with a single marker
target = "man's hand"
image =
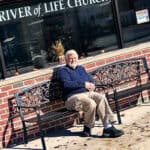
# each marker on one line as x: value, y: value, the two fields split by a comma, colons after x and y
x: 89, y: 86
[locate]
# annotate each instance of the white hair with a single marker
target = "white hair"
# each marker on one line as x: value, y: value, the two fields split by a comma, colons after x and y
x: 71, y: 52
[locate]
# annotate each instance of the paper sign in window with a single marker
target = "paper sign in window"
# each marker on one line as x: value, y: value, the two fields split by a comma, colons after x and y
x: 142, y: 16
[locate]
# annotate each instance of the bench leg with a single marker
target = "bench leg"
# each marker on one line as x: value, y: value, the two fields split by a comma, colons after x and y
x: 142, y: 98
x: 25, y: 132
x: 40, y: 129
x: 23, y: 125
x: 117, y: 107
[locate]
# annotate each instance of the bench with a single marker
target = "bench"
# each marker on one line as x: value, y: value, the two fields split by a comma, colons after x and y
x: 31, y: 102
x: 122, y: 79
x: 109, y: 79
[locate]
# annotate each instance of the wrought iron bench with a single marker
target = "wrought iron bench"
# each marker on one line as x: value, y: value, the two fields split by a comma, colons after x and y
x: 31, y: 102
x: 109, y: 79
x: 123, y: 79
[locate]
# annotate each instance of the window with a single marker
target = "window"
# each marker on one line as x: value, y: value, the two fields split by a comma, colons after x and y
x: 27, y: 32
x: 134, y: 15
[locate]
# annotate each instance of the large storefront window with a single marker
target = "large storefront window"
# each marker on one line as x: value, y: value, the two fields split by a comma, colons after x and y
x: 27, y: 32
x: 135, y: 20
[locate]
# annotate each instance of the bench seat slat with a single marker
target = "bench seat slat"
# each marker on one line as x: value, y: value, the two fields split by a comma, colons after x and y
x: 52, y: 116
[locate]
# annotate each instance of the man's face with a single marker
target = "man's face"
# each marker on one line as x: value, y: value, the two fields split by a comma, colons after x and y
x: 72, y: 61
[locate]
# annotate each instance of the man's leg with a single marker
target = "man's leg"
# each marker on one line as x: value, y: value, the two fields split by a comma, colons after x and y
x: 103, y: 109
x: 105, y: 113
x: 82, y: 102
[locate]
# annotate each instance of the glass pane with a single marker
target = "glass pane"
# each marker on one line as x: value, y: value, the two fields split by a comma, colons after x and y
x: 97, y: 29
x: 134, y: 16
x: 1, y: 71
x: 86, y: 29
x: 30, y: 34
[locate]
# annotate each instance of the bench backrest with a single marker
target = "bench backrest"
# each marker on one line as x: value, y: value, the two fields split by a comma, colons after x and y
x: 40, y: 93
x: 32, y: 95
x: 110, y: 75
x: 117, y: 73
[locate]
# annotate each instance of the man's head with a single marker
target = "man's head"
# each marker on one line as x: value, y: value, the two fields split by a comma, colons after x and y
x: 71, y: 58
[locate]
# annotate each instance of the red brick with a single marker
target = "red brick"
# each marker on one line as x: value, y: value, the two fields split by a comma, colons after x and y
x: 4, y: 116
x: 90, y: 65
x: 5, y: 105
x: 6, y: 88
x: 101, y: 62
x: 137, y: 54
x: 3, y: 111
x: 39, y: 79
x: 11, y: 92
x: 120, y: 57
x: 28, y: 82
x: 47, y: 77
x: 3, y: 94
x: 110, y: 60
x: 148, y: 55
x: 146, y: 50
x: 3, y: 122
x: 130, y: 55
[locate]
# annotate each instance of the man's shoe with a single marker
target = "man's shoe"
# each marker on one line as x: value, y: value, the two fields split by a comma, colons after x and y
x: 112, y: 132
x: 86, y: 131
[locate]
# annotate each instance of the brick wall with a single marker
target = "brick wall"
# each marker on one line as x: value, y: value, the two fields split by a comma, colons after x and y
x: 10, y: 125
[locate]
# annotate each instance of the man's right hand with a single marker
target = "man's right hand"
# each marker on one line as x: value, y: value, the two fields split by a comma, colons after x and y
x: 89, y: 86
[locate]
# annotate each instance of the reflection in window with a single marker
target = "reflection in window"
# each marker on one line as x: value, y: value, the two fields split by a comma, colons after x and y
x: 135, y: 30
x: 27, y: 42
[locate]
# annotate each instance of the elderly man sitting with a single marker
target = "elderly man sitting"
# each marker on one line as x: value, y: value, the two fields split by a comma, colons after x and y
x: 78, y: 91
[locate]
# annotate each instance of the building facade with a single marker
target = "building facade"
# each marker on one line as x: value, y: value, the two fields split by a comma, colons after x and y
x: 102, y: 31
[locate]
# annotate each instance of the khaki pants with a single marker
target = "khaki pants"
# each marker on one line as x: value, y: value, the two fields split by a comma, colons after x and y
x: 91, y: 103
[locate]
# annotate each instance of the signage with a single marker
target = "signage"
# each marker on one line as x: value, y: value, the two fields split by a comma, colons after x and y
x: 43, y: 8
x: 142, y: 16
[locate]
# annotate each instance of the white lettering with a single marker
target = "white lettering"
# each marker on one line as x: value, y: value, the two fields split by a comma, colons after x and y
x: 2, y: 17
x: 99, y: 1
x: 37, y: 10
x: 48, y: 9
x: 7, y: 14
x: 56, y: 5
x: 21, y: 12
x: 69, y: 4
x: 92, y: 2
x: 27, y: 11
x: 61, y: 5
x: 85, y: 2
x: 78, y: 3
x: 13, y: 13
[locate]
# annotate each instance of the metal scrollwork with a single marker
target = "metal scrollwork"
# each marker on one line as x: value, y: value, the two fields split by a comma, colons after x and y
x: 118, y: 73
x: 34, y: 95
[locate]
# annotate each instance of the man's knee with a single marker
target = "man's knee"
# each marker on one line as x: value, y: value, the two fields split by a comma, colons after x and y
x: 91, y: 104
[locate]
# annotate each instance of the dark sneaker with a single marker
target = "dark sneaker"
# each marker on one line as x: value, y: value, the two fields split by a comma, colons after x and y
x: 86, y: 131
x: 112, y: 132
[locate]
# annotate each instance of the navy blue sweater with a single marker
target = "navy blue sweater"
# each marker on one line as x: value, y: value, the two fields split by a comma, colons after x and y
x: 73, y: 80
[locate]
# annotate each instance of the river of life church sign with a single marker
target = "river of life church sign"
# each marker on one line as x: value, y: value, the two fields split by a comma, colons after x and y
x: 44, y: 8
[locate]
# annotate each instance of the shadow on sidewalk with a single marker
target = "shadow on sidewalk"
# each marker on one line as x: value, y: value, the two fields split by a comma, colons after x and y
x: 71, y: 133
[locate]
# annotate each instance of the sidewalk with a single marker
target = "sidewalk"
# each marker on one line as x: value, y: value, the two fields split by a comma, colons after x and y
x: 135, y: 123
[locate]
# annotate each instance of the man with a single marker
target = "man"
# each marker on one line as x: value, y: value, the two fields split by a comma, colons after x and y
x: 78, y: 90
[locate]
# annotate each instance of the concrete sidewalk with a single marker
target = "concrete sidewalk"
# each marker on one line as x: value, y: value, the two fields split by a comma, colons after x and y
x: 135, y: 123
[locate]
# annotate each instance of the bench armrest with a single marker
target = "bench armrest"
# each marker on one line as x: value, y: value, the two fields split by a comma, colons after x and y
x: 103, y: 86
